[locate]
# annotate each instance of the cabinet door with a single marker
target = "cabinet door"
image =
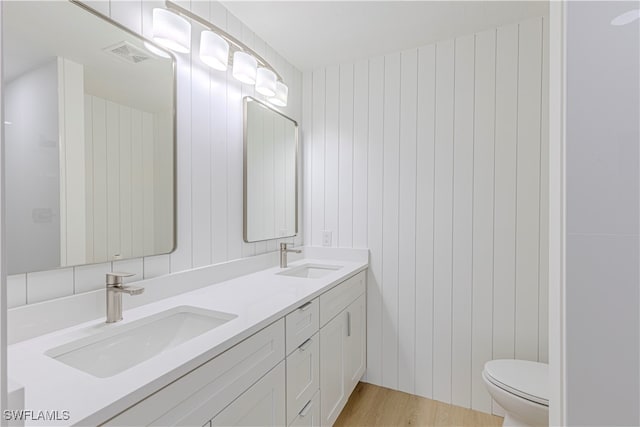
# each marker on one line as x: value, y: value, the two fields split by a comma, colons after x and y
x: 261, y: 405
x: 303, y: 376
x: 356, y: 345
x: 333, y: 395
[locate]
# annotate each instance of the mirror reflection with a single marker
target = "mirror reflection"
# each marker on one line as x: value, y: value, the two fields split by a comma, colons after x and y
x: 89, y: 139
x: 270, y: 171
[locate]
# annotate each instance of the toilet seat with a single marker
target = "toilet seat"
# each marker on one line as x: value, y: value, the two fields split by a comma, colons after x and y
x: 528, y: 380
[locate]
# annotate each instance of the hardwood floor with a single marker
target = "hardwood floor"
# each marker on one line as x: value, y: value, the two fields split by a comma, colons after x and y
x: 370, y: 405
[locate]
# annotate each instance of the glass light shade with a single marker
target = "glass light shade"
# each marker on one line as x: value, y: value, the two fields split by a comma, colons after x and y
x: 282, y: 93
x: 244, y: 67
x: 266, y: 82
x: 171, y: 31
x: 214, y: 50
x: 156, y: 51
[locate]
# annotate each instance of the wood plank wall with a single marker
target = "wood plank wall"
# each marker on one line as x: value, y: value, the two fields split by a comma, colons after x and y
x: 435, y: 159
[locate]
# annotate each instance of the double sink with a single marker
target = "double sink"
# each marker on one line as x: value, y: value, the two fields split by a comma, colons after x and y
x: 117, y: 349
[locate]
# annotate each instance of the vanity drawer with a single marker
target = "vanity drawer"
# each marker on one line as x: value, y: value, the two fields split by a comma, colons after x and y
x: 337, y: 299
x: 303, y: 376
x: 199, y: 395
x: 302, y: 323
x: 309, y: 415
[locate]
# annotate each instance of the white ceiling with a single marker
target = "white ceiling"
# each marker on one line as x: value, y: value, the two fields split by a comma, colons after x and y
x: 312, y: 34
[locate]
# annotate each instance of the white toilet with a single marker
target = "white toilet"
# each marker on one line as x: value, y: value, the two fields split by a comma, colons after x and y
x: 521, y: 388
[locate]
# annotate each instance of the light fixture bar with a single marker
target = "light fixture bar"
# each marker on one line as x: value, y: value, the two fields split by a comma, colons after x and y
x: 237, y: 44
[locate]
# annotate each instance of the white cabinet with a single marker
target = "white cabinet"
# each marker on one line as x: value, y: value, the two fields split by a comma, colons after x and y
x: 298, y: 371
x: 303, y: 376
x: 262, y: 405
x: 342, y: 351
x: 309, y: 416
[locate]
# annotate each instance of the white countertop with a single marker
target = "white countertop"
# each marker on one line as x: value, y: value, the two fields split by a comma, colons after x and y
x: 257, y: 299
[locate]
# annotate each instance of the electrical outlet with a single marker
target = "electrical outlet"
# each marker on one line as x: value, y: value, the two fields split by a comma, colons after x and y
x: 326, y: 238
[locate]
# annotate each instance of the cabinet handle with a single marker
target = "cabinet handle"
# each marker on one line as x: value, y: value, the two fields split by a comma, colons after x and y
x: 348, y: 324
x: 304, y: 411
x: 305, y: 306
x: 305, y: 344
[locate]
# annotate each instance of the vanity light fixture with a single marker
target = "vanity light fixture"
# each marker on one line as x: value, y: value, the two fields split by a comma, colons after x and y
x: 266, y: 82
x: 215, y: 47
x: 282, y: 93
x: 171, y: 30
x: 244, y: 67
x: 214, y: 50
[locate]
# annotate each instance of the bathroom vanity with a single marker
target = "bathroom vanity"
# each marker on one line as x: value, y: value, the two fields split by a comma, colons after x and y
x: 276, y: 347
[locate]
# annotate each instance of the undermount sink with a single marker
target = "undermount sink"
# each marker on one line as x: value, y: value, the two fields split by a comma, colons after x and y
x: 115, y: 350
x: 310, y: 271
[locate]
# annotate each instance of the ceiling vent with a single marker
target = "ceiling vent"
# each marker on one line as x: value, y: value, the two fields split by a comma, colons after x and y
x: 127, y: 52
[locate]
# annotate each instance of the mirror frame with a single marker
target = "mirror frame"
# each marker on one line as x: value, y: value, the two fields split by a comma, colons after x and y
x: 174, y: 134
x: 246, y: 101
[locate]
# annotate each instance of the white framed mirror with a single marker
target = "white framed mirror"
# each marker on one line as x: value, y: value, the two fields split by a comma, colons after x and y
x: 270, y: 173
x: 89, y: 125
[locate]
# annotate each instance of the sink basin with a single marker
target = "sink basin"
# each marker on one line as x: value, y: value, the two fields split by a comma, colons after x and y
x: 310, y: 271
x: 115, y: 350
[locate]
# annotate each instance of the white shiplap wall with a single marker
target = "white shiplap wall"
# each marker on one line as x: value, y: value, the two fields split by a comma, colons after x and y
x: 435, y: 159
x: 209, y: 161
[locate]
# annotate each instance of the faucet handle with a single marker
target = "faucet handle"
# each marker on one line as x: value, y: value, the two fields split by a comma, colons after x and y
x: 115, y: 278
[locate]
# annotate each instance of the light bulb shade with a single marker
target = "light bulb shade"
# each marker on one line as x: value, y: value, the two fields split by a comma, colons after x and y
x: 244, y: 67
x: 266, y: 82
x: 156, y: 50
x: 171, y: 31
x: 282, y: 93
x: 214, y: 50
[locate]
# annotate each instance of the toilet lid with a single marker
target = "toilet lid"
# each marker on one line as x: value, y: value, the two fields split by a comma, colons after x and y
x: 529, y: 380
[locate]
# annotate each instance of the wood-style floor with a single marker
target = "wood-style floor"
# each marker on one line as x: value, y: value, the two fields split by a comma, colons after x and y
x: 370, y: 405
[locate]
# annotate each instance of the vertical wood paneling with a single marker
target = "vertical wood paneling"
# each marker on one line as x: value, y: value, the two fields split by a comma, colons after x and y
x: 462, y: 290
x: 200, y: 160
x: 374, y: 202
x: 88, y: 157
x: 444, y: 176
x: 318, y: 155
x: 424, y: 304
x: 234, y: 108
x: 504, y: 223
x: 528, y: 191
x: 345, y: 158
x: 360, y: 153
x: 137, y: 184
x: 113, y: 177
x: 407, y: 221
x: 483, y: 171
x: 331, y: 152
x: 99, y: 148
x: 148, y: 167
x: 126, y: 249
x: 443, y: 217
x: 390, y: 188
x: 306, y: 147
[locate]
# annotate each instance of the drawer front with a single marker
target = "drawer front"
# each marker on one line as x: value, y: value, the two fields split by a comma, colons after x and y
x: 303, y: 376
x: 309, y: 415
x: 337, y: 299
x: 302, y: 323
x: 262, y: 405
x: 198, y: 396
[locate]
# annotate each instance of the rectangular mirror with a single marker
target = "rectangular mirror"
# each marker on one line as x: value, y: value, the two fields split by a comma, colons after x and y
x: 89, y: 131
x: 270, y: 173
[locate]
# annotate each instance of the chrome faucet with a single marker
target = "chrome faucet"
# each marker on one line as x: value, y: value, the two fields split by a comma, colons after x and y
x: 114, y: 295
x: 283, y: 253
